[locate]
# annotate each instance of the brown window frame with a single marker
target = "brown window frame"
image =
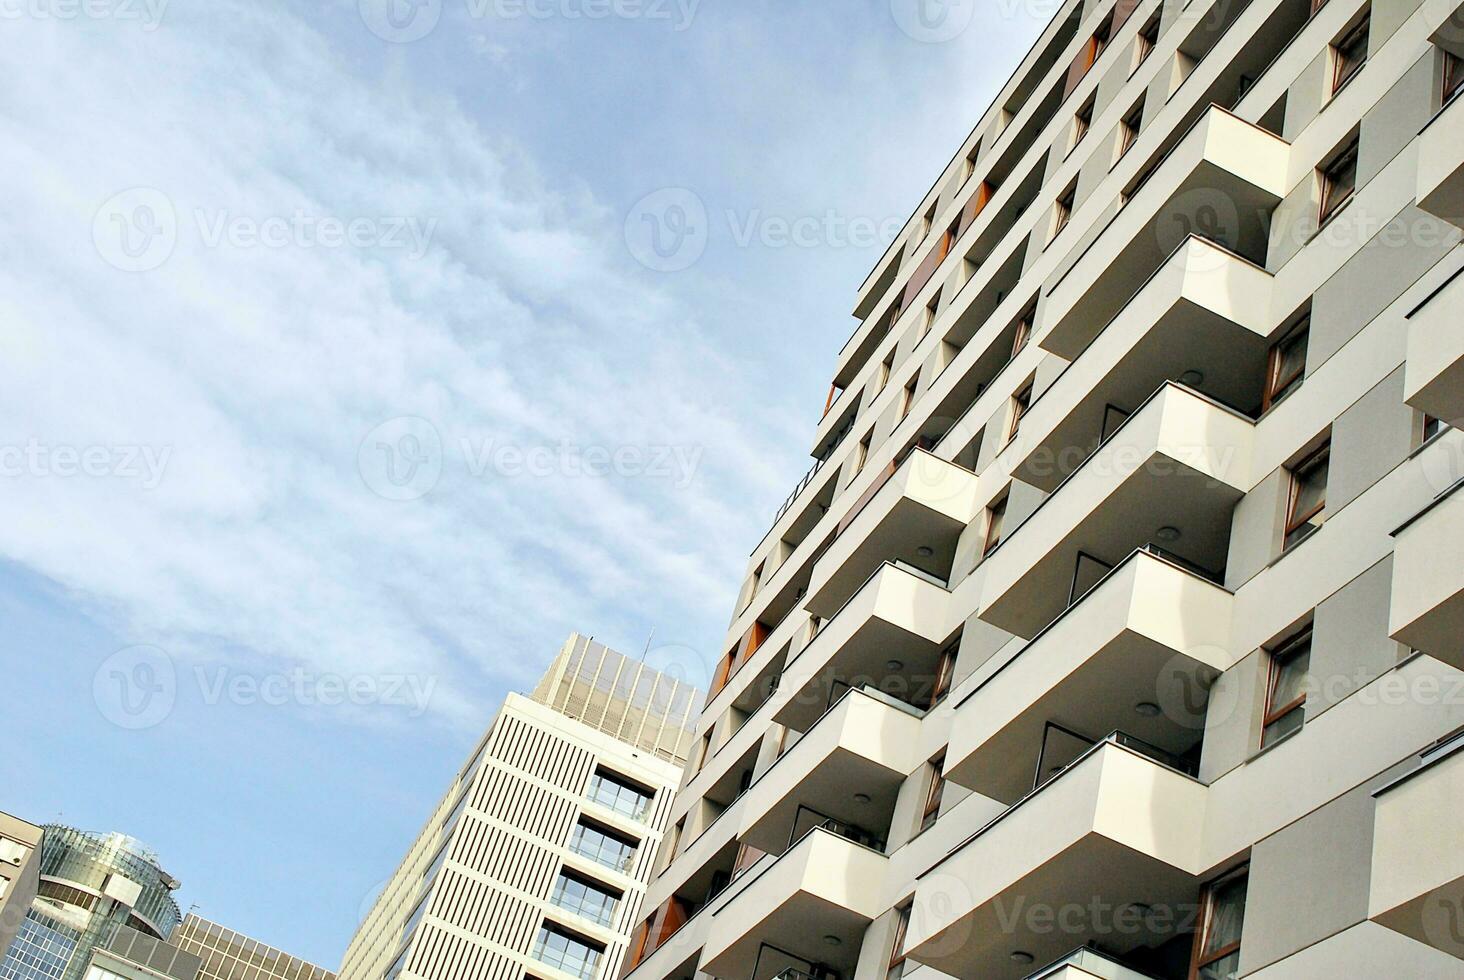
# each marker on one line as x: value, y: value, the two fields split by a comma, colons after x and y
x: 933, y: 794
x: 1148, y: 40
x: 1330, y: 205
x: 1288, y: 650
x: 907, y: 398
x: 897, y: 947
x: 998, y: 506
x: 1361, y: 31
x: 1316, y: 6
x: 945, y: 670
x: 1296, y: 520
x: 886, y: 368
x: 1278, y: 387
x: 1453, y: 77
x: 1083, y: 122
x: 1023, y: 335
x: 1207, y: 921
x: 1064, y: 210
x: 1021, y: 405
x: 1129, y: 128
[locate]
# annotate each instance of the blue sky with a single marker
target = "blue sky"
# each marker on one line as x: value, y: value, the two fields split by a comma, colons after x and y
x: 344, y: 375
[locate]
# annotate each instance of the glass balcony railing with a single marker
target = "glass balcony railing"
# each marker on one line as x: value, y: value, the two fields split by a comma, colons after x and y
x: 603, y: 849
x: 622, y: 799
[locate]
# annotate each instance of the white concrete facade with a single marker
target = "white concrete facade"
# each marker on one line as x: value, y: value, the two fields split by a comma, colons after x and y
x: 1132, y: 645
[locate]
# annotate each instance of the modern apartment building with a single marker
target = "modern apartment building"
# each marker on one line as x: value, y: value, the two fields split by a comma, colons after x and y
x: 91, y: 886
x: 1118, y: 628
x: 227, y: 955
x: 134, y: 955
x: 534, y: 862
x: 20, y: 874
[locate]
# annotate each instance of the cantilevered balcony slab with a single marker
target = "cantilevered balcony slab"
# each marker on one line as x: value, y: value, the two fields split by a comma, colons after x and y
x: 825, y: 885
x: 1177, y: 466
x: 1433, y: 380
x: 1205, y: 316
x: 1114, y: 831
x: 890, y: 630
x: 1427, y: 610
x: 848, y: 767
x: 1222, y: 180
x: 1151, y: 634
x: 1441, y: 164
x: 916, y: 516
x: 1417, y: 883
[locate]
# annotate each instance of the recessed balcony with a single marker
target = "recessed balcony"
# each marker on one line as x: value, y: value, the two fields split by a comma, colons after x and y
x: 824, y: 886
x: 1222, y: 181
x: 1169, y: 475
x: 1138, y: 653
x: 887, y: 637
x: 1433, y: 380
x: 1204, y: 318
x: 1427, y: 610
x: 1107, y: 852
x: 1441, y: 164
x: 1417, y: 883
x: 915, y: 515
x: 848, y: 767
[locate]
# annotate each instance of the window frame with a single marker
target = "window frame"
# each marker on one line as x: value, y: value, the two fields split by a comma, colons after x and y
x: 934, y: 793
x: 1295, y: 520
x: 1021, y: 405
x: 896, y: 966
x: 1129, y: 128
x: 1063, y: 211
x: 1285, y: 652
x: 995, y: 522
x: 1198, y: 960
x: 1329, y: 206
x: 1276, y: 387
x: 945, y: 670
x: 1022, y: 336
x: 1083, y: 122
x: 1453, y: 82
x: 1147, y: 41
x: 1359, y: 31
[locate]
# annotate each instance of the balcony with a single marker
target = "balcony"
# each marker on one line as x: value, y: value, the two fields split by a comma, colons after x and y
x: 1204, y: 317
x: 1171, y: 473
x: 1139, y: 653
x: 889, y: 632
x: 1433, y: 380
x: 1419, y: 890
x: 1427, y: 611
x: 1088, y: 964
x: 1441, y: 164
x: 1109, y: 849
x: 848, y: 767
x: 1222, y: 181
x: 824, y: 886
x: 915, y: 515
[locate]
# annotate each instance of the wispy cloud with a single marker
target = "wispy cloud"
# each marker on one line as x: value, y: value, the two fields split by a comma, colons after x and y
x: 297, y: 258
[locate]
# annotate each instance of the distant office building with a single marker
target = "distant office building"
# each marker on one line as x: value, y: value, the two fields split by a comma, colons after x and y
x: 535, y: 861
x: 20, y: 873
x: 91, y: 886
x: 228, y: 955
x: 134, y: 955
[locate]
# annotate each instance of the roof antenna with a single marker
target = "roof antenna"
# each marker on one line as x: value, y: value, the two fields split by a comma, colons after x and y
x: 647, y: 652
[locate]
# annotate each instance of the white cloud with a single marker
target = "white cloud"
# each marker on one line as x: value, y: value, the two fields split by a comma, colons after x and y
x: 259, y: 370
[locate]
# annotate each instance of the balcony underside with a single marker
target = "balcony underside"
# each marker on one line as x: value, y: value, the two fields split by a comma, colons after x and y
x: 1433, y: 380
x: 1427, y: 610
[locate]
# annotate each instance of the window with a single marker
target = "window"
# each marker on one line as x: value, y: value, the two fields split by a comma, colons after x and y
x: 1217, y: 945
x: 564, y: 951
x: 907, y: 398
x: 1316, y: 6
x: 1287, y: 687
x: 944, y: 671
x: 12, y: 852
x: 931, y: 309
x: 1064, y: 210
x: 1453, y: 76
x: 1147, y: 42
x: 584, y: 898
x: 618, y: 795
x: 1339, y: 182
x: 1128, y: 130
x: 1432, y: 427
x: 1286, y: 364
x: 897, y: 948
x: 1306, y: 509
x: 933, y: 795
x: 1082, y: 122
x: 1021, y: 402
x: 926, y: 224
x: 1350, y: 54
x: 1024, y: 334
x: 995, y: 518
x: 861, y: 455
x: 611, y: 850
x: 970, y: 170
x: 885, y: 369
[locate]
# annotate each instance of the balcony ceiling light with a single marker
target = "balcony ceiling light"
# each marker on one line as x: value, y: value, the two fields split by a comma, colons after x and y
x: 925, y: 551
x: 1168, y: 534
x: 1021, y: 956
x: 895, y: 665
x: 832, y: 940
x: 861, y: 798
x: 1192, y: 378
x: 1147, y: 709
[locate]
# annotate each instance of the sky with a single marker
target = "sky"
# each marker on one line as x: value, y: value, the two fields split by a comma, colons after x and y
x: 355, y: 352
